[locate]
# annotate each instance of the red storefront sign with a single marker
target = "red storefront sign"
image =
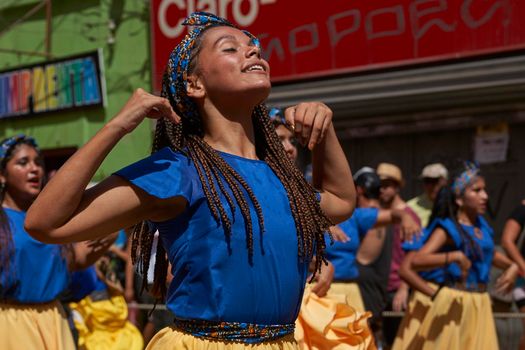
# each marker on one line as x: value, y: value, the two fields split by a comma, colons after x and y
x: 312, y: 38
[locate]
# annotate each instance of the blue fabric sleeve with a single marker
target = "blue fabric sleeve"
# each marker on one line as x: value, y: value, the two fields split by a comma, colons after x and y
x: 366, y: 219
x: 450, y: 227
x: 418, y: 241
x: 164, y: 174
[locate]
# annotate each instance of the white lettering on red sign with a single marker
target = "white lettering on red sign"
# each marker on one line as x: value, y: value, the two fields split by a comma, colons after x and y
x: 217, y: 7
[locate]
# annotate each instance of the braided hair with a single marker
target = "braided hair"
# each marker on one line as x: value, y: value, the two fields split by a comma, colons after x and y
x: 218, y: 178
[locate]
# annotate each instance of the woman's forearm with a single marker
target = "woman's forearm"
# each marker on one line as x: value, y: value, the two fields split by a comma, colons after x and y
x: 65, y: 190
x: 331, y: 173
x: 501, y: 261
x: 407, y: 273
x: 77, y: 215
x: 431, y: 261
x: 511, y: 232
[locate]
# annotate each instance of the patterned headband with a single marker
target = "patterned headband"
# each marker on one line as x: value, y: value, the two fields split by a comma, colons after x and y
x: 465, y: 178
x: 180, y: 58
x: 8, y: 144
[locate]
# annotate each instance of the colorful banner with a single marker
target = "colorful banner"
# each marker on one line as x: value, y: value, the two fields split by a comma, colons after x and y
x: 67, y: 83
x: 316, y: 38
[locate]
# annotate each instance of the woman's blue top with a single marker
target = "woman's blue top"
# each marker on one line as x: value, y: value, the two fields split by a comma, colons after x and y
x: 343, y: 255
x: 84, y: 282
x: 37, y: 271
x: 436, y: 275
x: 483, y: 236
x: 213, y: 278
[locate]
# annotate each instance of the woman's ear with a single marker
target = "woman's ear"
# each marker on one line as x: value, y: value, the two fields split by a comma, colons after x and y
x: 194, y: 87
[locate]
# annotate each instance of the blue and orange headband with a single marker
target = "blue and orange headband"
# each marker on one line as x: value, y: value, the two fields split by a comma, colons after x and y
x: 9, y: 143
x: 464, y: 179
x: 181, y: 56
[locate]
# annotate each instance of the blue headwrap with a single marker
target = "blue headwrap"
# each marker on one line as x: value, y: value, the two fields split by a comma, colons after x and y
x: 7, y: 145
x: 464, y: 179
x: 180, y: 57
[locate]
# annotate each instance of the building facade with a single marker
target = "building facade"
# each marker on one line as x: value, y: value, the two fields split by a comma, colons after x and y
x: 48, y: 37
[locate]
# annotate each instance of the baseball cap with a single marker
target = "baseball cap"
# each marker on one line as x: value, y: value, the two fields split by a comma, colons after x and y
x: 434, y: 171
x: 367, y: 179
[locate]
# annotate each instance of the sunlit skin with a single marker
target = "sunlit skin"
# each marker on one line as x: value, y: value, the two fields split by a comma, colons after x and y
x: 23, y: 177
x: 230, y: 71
x: 473, y: 201
x: 288, y: 140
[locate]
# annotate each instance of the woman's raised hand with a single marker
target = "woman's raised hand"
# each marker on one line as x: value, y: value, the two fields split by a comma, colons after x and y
x: 309, y: 121
x: 141, y: 105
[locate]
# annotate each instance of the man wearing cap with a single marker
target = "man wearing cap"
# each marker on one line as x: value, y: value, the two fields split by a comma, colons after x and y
x: 434, y: 177
x: 391, y: 183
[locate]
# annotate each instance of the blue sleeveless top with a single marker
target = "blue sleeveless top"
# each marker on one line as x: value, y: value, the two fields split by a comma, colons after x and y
x: 483, y: 235
x: 212, y: 277
x: 343, y: 255
x: 38, y: 272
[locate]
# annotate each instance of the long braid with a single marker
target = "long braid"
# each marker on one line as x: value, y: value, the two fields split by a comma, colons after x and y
x: 311, y: 222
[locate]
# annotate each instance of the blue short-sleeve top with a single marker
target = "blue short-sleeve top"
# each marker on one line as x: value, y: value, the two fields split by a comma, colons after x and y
x: 437, y: 275
x: 343, y: 255
x: 84, y: 282
x: 483, y: 236
x: 213, y: 277
x: 37, y: 271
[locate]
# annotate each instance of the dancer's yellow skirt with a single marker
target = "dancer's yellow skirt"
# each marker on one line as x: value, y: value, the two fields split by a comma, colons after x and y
x: 34, y: 326
x: 103, y: 325
x: 347, y: 293
x: 418, y: 307
x: 458, y: 320
x: 331, y: 323
x: 171, y: 339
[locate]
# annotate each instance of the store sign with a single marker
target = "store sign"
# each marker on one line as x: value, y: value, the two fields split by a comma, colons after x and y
x: 312, y: 38
x: 72, y: 82
x: 491, y: 143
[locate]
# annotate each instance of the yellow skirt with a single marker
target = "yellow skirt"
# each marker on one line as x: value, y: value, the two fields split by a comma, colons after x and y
x: 103, y: 325
x: 172, y: 339
x: 331, y: 323
x: 34, y: 326
x: 347, y: 293
x: 458, y: 320
x: 417, y: 309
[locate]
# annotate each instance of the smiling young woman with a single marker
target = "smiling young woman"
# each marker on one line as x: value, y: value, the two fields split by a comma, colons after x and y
x: 237, y: 220
x: 32, y: 274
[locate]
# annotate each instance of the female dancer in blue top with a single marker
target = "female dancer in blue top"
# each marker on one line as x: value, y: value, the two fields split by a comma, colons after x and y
x: 237, y: 220
x: 460, y: 316
x: 419, y: 302
x: 32, y: 274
